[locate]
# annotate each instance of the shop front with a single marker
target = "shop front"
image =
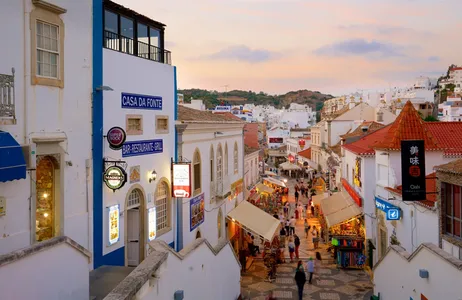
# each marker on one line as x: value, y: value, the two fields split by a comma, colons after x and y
x: 343, y: 227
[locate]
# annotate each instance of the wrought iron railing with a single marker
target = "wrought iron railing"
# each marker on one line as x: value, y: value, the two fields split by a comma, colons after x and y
x: 7, y: 98
x: 134, y: 47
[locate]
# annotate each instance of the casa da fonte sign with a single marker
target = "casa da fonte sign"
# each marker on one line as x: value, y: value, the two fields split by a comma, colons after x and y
x: 413, y: 170
x: 136, y: 101
x: 115, y: 177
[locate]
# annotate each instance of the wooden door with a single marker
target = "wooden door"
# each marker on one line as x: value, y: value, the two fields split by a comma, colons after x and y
x: 133, y: 237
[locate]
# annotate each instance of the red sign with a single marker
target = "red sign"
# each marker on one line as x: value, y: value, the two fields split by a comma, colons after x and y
x: 356, y: 198
x: 291, y: 158
x: 116, y: 137
x: 182, y: 180
x: 301, y: 143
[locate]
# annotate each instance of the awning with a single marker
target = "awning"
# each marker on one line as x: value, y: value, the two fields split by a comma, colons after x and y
x: 269, y: 173
x: 12, y: 162
x: 253, y: 219
x: 339, y: 208
x: 288, y: 166
x: 275, y: 181
x: 318, y: 198
x: 261, y: 188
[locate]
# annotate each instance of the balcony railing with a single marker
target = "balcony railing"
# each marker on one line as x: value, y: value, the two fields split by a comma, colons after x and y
x: 134, y: 47
x: 7, y: 98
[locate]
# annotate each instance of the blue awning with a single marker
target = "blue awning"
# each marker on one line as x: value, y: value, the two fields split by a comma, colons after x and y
x: 12, y: 162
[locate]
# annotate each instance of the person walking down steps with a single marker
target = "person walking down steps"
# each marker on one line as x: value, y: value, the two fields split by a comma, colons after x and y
x: 300, y: 279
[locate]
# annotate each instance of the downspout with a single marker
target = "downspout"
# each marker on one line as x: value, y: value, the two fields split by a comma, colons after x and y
x: 243, y: 163
x: 179, y: 201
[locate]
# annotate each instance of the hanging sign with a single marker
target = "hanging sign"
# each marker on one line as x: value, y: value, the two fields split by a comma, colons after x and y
x: 413, y: 170
x: 152, y: 223
x: 115, y: 177
x: 301, y: 143
x: 196, y: 211
x: 181, y: 180
x: 146, y: 147
x: 116, y: 137
x: 114, y: 224
x: 136, y: 101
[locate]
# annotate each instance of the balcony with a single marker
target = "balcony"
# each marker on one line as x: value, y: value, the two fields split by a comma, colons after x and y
x: 131, y: 46
x: 7, y: 98
x: 223, y: 190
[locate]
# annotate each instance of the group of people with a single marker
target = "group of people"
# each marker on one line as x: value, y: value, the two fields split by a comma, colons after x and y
x: 312, y: 267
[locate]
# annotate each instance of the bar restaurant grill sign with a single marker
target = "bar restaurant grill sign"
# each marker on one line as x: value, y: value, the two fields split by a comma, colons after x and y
x: 182, y: 180
x: 115, y: 177
x: 116, y: 137
x: 413, y: 170
x: 146, y: 147
x: 136, y: 101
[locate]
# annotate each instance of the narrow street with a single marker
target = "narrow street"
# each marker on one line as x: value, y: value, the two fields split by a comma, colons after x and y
x: 330, y: 283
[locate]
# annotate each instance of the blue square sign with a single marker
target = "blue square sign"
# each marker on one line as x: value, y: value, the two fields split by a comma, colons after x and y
x: 393, y: 214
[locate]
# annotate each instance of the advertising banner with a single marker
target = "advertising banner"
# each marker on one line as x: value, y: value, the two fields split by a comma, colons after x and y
x: 182, y: 180
x: 196, y: 211
x: 413, y: 170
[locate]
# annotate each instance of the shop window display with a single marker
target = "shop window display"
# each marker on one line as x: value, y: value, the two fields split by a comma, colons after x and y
x: 45, y: 202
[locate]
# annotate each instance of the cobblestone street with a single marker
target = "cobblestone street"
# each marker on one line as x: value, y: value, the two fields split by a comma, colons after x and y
x: 330, y: 283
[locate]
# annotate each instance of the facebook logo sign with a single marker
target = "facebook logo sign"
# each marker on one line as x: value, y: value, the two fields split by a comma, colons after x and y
x: 393, y: 214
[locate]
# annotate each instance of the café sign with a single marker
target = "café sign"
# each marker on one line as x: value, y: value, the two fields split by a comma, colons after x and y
x: 116, y: 137
x: 413, y: 170
x: 182, y: 180
x: 115, y: 177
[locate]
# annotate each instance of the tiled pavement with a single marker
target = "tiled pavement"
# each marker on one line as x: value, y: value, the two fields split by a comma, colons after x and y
x: 330, y: 284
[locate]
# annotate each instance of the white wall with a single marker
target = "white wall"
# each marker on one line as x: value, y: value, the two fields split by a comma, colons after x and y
x: 130, y: 74
x: 337, y: 128
x: 44, y: 111
x: 201, y: 275
x: 60, y: 272
x: 201, y: 136
x: 397, y: 278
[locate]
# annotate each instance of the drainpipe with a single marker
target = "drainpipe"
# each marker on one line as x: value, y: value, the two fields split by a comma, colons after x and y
x: 243, y: 162
x: 329, y: 130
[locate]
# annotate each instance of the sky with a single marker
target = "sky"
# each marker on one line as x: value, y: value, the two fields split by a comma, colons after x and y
x: 331, y: 46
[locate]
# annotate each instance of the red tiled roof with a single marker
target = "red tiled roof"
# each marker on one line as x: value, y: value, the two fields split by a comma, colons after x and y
x: 371, y: 127
x: 448, y: 135
x: 430, y: 189
x: 305, y: 153
x: 454, y: 167
x: 365, y: 145
x: 407, y: 126
x: 228, y: 115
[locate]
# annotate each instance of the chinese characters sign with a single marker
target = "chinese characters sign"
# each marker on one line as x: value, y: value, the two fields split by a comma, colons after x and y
x: 413, y: 170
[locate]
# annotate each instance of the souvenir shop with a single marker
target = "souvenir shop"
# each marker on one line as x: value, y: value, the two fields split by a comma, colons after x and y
x: 348, y: 242
x: 276, y: 185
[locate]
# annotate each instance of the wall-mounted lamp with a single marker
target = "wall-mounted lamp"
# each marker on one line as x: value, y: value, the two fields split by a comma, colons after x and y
x: 153, y: 176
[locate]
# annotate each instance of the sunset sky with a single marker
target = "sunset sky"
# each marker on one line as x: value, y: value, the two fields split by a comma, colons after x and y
x: 333, y: 46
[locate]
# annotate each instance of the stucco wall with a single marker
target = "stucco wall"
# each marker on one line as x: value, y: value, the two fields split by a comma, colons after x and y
x: 129, y: 74
x: 44, y: 111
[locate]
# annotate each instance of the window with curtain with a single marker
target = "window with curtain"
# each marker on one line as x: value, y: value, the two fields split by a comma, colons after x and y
x: 451, y: 199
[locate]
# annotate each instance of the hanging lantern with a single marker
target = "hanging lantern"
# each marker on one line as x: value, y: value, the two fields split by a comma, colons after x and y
x: 301, y: 143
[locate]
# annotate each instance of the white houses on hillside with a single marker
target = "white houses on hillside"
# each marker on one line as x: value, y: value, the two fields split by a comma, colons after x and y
x: 45, y: 187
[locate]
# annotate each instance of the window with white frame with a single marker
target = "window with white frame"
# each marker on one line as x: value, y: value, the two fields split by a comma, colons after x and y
x: 226, y: 160
x: 162, y: 208
x: 47, y: 44
x: 219, y: 164
x: 236, y: 156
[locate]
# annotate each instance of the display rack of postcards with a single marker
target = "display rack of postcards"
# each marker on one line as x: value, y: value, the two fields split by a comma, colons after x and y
x: 349, y: 251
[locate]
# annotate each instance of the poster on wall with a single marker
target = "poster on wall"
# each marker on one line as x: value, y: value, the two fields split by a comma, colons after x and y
x: 413, y: 170
x: 135, y: 174
x: 196, y: 211
x: 357, y: 173
x: 114, y: 224
x: 181, y: 180
x: 152, y: 223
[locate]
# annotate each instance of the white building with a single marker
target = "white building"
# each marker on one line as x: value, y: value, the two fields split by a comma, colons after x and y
x: 277, y: 136
x: 45, y: 193
x: 450, y: 110
x: 214, y: 145
x: 251, y: 169
x: 137, y: 92
x: 195, y: 104
x: 298, y: 115
x: 293, y: 146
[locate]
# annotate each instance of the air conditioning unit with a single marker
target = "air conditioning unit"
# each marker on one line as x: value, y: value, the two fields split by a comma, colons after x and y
x: 30, y: 156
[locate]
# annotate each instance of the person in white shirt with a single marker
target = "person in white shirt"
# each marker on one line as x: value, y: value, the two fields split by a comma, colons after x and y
x: 292, y: 225
x: 315, y: 235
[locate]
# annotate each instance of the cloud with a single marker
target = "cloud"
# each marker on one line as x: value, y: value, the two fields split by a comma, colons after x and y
x: 361, y: 47
x: 386, y: 30
x: 434, y: 58
x: 244, y: 54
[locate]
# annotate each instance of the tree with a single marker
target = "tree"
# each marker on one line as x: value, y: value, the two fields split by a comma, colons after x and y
x: 450, y: 86
x: 431, y: 119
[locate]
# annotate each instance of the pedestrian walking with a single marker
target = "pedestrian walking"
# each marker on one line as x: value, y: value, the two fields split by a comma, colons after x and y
x: 292, y: 223
x: 312, y: 209
x: 296, y: 195
x: 307, y: 228
x: 314, y: 234
x: 291, y: 247
x: 317, y: 262
x: 310, y: 269
x: 297, y: 245
x: 288, y: 226
x: 300, y: 279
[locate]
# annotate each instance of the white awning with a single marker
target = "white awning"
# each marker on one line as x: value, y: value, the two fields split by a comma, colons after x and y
x: 339, y: 208
x: 289, y: 166
x: 317, y: 198
x: 275, y: 181
x: 253, y: 219
x: 269, y: 173
x: 261, y: 188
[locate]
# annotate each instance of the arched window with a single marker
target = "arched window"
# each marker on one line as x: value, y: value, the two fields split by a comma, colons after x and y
x: 226, y: 160
x: 163, y: 209
x: 212, y: 169
x: 219, y: 164
x: 134, y: 199
x: 236, y: 155
x: 219, y: 223
x: 197, y: 172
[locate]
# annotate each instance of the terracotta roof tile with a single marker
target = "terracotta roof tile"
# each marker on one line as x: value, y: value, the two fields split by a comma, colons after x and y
x: 190, y: 114
x: 337, y: 149
x: 448, y: 135
x: 228, y: 115
x: 454, y: 167
x: 365, y: 145
x: 371, y: 127
x: 430, y: 187
x: 305, y: 153
x: 407, y: 126
x: 249, y: 150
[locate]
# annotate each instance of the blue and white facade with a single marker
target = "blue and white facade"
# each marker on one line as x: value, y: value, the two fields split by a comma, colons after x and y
x: 134, y: 89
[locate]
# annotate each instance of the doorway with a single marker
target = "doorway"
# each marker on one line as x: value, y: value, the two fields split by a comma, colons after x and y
x: 134, y: 229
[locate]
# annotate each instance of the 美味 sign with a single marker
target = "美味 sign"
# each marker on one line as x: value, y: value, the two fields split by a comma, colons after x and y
x: 413, y: 170
x: 136, y: 101
x: 136, y: 148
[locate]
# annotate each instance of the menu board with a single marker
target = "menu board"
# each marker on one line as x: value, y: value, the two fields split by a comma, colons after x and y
x: 114, y: 224
x: 152, y: 223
